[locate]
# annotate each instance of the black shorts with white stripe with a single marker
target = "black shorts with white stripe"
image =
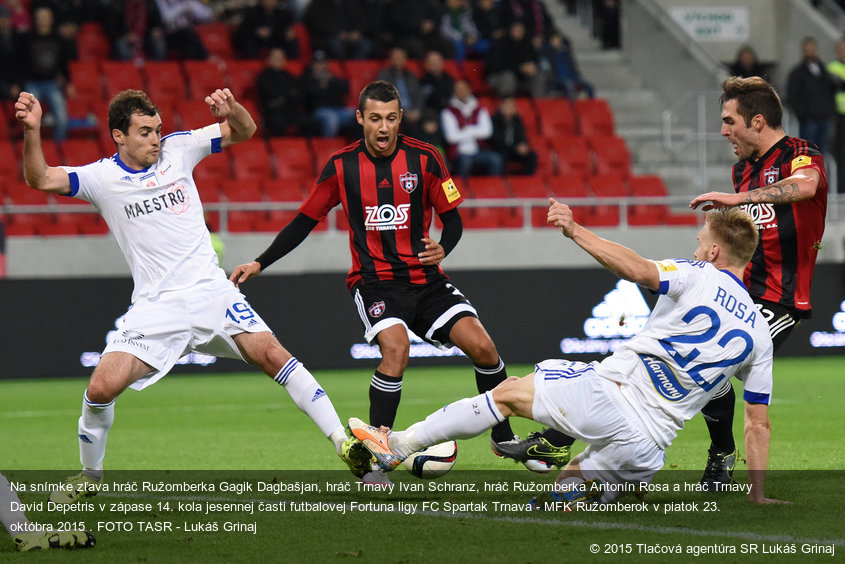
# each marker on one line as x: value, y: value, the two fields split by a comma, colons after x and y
x: 781, y: 320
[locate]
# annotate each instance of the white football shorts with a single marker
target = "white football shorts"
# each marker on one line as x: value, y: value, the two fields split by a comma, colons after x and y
x: 203, y: 319
x: 573, y: 398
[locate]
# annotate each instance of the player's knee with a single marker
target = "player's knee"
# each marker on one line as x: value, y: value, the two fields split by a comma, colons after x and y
x: 510, y: 397
x: 99, y: 391
x: 395, y: 351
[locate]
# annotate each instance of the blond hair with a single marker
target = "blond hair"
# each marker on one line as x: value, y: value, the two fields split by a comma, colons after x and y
x: 735, y: 231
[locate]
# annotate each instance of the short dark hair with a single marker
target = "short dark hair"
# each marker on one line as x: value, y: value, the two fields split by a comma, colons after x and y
x: 125, y: 105
x: 380, y: 91
x: 753, y: 96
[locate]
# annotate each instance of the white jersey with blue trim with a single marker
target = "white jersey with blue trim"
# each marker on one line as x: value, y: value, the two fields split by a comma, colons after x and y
x: 703, y: 329
x: 156, y: 214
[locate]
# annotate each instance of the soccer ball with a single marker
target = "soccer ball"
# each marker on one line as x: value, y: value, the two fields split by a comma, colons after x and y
x: 432, y: 462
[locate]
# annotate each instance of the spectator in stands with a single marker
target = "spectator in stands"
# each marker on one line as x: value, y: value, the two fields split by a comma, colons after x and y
x: 340, y: 28
x: 837, y: 70
x: 44, y: 68
x: 564, y: 76
x: 408, y: 85
x: 457, y: 26
x: 67, y: 15
x: 747, y: 64
x: 539, y: 26
x: 268, y: 24
x: 810, y: 94
x: 513, y: 65
x: 510, y: 140
x: 20, y: 15
x: 135, y: 31
x: 414, y: 26
x: 606, y: 23
x: 280, y: 97
x: 436, y: 84
x: 488, y: 21
x: 325, y: 99
x: 8, y: 60
x: 179, y: 18
x: 466, y: 127
x: 430, y: 131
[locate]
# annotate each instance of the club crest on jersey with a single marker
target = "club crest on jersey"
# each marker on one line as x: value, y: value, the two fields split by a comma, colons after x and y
x: 771, y: 175
x: 376, y: 310
x: 149, y: 180
x: 408, y: 181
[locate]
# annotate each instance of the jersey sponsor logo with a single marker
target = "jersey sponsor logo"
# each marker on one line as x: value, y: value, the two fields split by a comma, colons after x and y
x: 175, y: 199
x: 149, y: 180
x: 664, y: 379
x: 762, y: 214
x: 408, y: 181
x: 450, y: 190
x: 666, y: 266
x: 386, y: 217
x: 132, y: 337
x: 800, y: 161
x: 771, y: 175
x: 377, y: 309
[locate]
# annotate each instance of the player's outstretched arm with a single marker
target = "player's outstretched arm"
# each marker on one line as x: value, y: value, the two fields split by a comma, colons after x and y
x: 239, y: 125
x: 618, y: 259
x: 800, y: 186
x: 758, y: 433
x: 35, y: 170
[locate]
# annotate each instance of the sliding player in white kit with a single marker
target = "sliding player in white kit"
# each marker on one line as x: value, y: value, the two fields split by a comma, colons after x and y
x: 629, y: 407
x: 182, y: 299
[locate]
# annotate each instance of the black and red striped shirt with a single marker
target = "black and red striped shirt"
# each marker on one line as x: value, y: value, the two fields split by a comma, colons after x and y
x: 388, y: 203
x: 781, y: 269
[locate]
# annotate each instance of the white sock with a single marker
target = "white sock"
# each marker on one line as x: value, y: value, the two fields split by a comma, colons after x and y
x: 308, y: 396
x: 462, y: 419
x: 12, y: 520
x: 94, y: 425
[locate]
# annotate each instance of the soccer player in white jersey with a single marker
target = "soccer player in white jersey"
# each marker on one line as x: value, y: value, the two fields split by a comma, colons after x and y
x: 182, y: 300
x: 29, y: 536
x: 629, y: 407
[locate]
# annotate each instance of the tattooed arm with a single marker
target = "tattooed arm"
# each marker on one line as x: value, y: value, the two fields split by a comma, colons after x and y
x: 800, y: 186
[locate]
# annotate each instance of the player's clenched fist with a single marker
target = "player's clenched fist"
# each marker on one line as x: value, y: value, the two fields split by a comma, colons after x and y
x: 28, y: 110
x: 560, y: 215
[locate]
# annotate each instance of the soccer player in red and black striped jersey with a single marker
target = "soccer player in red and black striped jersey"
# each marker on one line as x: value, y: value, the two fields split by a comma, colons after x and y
x: 781, y: 181
x: 389, y: 186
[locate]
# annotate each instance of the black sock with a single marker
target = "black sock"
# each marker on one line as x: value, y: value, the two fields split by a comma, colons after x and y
x: 385, y: 392
x: 719, y: 415
x: 556, y: 438
x: 487, y: 378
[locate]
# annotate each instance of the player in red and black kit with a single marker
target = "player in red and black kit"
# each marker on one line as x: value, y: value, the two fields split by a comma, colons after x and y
x: 781, y: 182
x: 389, y: 185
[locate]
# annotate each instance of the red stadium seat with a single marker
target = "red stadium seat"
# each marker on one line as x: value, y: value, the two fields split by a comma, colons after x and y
x: 165, y: 81
x: 217, y: 38
x: 81, y: 151
x: 323, y: 148
x: 87, y: 79
x: 528, y: 186
x: 52, y: 154
x: 492, y: 218
x: 121, y: 75
x: 643, y: 213
x: 217, y: 166
x: 284, y: 190
x: 488, y: 187
x: 194, y: 114
x: 9, y: 167
x: 242, y: 75
x: 304, y: 41
x: 244, y: 191
x: 18, y: 193
x: 528, y: 112
x: 293, y: 158
x: 204, y: 77
x: 360, y: 73
x: 556, y: 117
x: 573, y: 155
x: 594, y: 117
x: 611, y: 154
x: 251, y: 159
x: 92, y: 44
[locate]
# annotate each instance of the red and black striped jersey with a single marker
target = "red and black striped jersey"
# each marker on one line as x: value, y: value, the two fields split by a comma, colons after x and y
x: 388, y: 203
x: 781, y: 269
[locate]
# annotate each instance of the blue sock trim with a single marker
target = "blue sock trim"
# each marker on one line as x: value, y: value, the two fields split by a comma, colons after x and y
x: 492, y: 407
x: 286, y: 371
x: 97, y: 405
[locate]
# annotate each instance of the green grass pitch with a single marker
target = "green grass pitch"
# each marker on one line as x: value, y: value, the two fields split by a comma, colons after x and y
x: 243, y: 428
